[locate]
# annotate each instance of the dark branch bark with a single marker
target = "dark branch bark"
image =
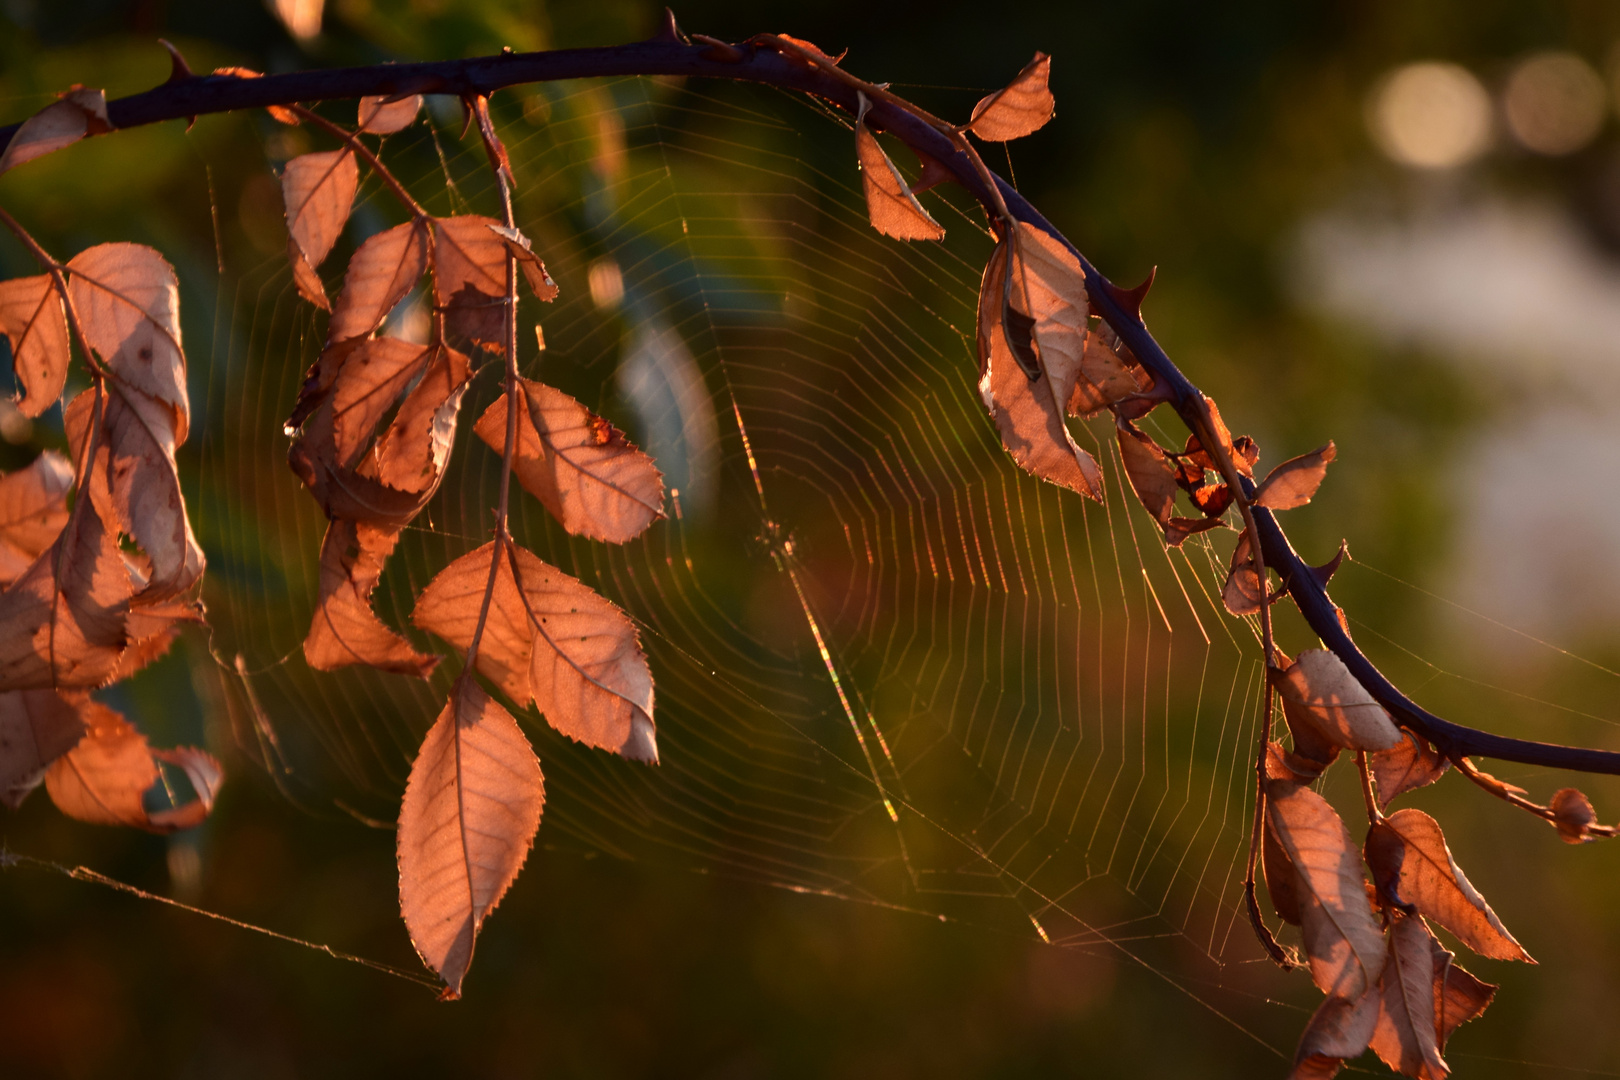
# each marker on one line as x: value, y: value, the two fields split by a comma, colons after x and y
x: 668, y: 55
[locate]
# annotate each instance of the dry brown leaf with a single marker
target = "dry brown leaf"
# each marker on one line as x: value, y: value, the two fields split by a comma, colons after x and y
x: 1241, y: 593
x: 33, y: 509
x: 308, y: 282
x: 1409, y: 764
x: 1404, y: 1036
x: 67, y: 632
x: 1575, y: 819
x: 380, y: 116
x: 32, y: 317
x: 1431, y: 881
x: 412, y: 453
x: 134, y: 474
x: 1458, y: 996
x: 1279, y: 875
x: 469, y: 279
x: 368, y: 383
x: 1294, y: 482
x: 128, y: 302
x: 1339, y: 1030
x: 583, y: 469
x: 1342, y: 939
x: 1021, y: 107
x: 1320, y: 691
x: 345, y: 630
x: 36, y: 728
x: 151, y: 629
x: 1178, y: 529
x: 381, y: 272
x: 1242, y: 453
x: 551, y: 638
x: 77, y: 114
x: 318, y: 191
x: 1148, y: 468
x: 534, y: 271
x: 891, y: 206
x: 1049, y: 290
x: 1105, y: 377
x: 1311, y: 752
x: 471, y: 808
x: 104, y: 779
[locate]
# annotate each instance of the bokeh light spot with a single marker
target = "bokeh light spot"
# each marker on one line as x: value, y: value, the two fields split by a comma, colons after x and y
x: 1554, y: 103
x: 1430, y: 115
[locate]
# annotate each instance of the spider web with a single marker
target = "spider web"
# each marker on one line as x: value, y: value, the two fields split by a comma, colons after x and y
x: 891, y: 667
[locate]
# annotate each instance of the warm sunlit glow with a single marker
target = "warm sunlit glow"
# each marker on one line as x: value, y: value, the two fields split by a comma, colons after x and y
x: 606, y: 283
x: 1554, y: 103
x: 1430, y: 115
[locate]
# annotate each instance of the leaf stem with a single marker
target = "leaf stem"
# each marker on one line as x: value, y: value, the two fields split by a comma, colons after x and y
x: 352, y: 141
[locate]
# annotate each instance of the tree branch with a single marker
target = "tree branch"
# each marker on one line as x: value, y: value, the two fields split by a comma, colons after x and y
x: 762, y: 61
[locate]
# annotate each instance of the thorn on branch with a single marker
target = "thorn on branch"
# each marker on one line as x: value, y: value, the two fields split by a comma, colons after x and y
x: 1130, y: 300
x: 670, y: 30
x: 179, y: 70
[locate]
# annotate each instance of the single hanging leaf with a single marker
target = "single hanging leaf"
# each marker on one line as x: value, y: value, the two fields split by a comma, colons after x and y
x: 380, y: 116
x: 1280, y: 877
x: 1293, y: 483
x: 1458, y: 996
x: 890, y: 204
x: 381, y: 272
x: 534, y: 271
x: 151, y: 628
x: 1148, y: 468
x: 104, y: 780
x: 1342, y: 939
x: 78, y: 114
x: 128, y: 302
x: 583, y: 469
x: 1575, y: 819
x: 1405, y: 1037
x: 1106, y: 379
x: 1322, y: 692
x: 551, y: 638
x: 471, y: 809
x: 1339, y: 1030
x: 318, y: 190
x: 1242, y: 452
x: 1312, y: 752
x: 135, y: 467
x: 32, y: 318
x: 345, y: 630
x: 36, y: 728
x: 1022, y: 107
x: 412, y: 453
x: 67, y: 631
x: 1432, y: 882
x: 370, y: 381
x: 33, y: 509
x: 469, y: 279
x: 305, y: 279
x: 1048, y: 291
x: 1409, y: 764
x: 1242, y: 592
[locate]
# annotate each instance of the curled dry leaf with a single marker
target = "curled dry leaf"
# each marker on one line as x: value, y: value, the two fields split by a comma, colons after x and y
x: 534, y: 271
x: 1242, y: 453
x: 469, y: 278
x: 471, y: 808
x: 381, y: 271
x: 318, y: 192
x: 151, y: 629
x: 105, y: 778
x: 345, y: 630
x: 1408, y: 765
x: 1340, y: 1029
x: 77, y: 114
x: 33, y: 509
x: 1458, y: 996
x: 1021, y: 107
x: 583, y: 469
x: 1342, y: 939
x: 1106, y: 378
x: 67, y: 631
x: 1431, y: 881
x: 412, y: 452
x: 32, y: 318
x: 1242, y: 592
x: 1320, y: 691
x: 383, y: 116
x: 135, y: 480
x: 369, y: 382
x: 1312, y: 752
x: 36, y: 728
x: 890, y: 204
x: 1405, y: 1035
x: 1048, y: 291
x: 1148, y: 468
x: 550, y: 638
x: 1575, y: 819
x: 1293, y: 483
